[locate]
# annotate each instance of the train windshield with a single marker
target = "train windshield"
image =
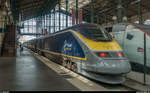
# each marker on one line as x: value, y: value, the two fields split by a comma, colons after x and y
x: 95, y: 33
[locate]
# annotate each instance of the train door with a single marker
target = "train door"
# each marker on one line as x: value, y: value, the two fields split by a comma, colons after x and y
x: 76, y: 53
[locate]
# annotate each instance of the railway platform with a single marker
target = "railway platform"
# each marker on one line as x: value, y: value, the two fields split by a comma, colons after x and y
x: 32, y: 72
x: 26, y: 73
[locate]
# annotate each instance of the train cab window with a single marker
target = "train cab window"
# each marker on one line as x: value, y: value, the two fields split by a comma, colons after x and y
x: 129, y: 36
x: 95, y: 33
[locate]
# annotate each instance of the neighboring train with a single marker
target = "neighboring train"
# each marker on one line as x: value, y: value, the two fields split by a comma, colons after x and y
x: 131, y: 39
x: 86, y: 49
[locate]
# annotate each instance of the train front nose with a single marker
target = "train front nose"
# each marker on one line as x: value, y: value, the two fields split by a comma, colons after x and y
x: 114, y: 66
x: 112, y: 63
x: 109, y: 70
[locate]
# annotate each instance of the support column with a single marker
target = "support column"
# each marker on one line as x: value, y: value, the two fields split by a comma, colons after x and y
x: 32, y: 26
x: 50, y: 22
x: 119, y: 11
x: 63, y: 21
x: 59, y: 15
x: 41, y: 25
x: 28, y: 25
x: 24, y: 27
x: 54, y: 20
x: 140, y: 12
x: 105, y: 15
x: 97, y: 19
x: 115, y: 16
x: 46, y: 23
x: 36, y: 26
x: 66, y: 13
x: 92, y: 11
x: 77, y: 21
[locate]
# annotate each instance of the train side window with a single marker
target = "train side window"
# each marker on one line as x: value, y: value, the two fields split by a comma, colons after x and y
x: 129, y: 36
x: 108, y: 29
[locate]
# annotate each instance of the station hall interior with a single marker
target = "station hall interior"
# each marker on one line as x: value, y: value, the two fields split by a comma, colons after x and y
x: 74, y: 45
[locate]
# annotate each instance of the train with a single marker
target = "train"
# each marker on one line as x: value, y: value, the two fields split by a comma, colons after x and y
x: 130, y: 37
x: 87, y: 49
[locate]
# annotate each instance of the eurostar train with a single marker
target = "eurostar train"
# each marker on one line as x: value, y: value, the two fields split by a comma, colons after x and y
x: 86, y: 49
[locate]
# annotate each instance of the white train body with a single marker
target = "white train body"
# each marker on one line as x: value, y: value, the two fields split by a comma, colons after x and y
x: 131, y: 39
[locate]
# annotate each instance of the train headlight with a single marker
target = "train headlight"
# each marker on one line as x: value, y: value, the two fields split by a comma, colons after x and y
x: 120, y: 54
x: 102, y: 54
x: 110, y: 54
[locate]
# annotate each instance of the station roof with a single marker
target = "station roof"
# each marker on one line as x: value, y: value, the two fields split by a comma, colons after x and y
x: 33, y: 8
x: 108, y: 8
x: 72, y: 4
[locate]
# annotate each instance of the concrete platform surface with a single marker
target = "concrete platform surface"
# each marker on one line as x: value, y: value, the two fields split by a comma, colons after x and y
x: 75, y: 79
x: 26, y: 73
x: 136, y: 85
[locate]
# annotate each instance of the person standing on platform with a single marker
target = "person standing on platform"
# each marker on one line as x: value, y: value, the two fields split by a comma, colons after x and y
x: 21, y: 48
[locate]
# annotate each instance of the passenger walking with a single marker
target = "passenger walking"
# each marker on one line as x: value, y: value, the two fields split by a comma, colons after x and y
x: 21, y: 48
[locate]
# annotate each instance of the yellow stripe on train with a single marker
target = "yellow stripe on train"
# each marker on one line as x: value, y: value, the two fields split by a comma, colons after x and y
x: 50, y: 52
x: 111, y: 46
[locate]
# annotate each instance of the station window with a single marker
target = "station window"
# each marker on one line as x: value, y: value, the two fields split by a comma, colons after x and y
x: 36, y: 25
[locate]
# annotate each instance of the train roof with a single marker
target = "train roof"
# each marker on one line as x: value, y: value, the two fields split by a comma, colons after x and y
x: 142, y: 27
x: 122, y: 27
x: 84, y: 25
